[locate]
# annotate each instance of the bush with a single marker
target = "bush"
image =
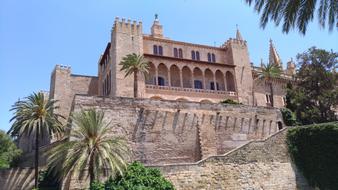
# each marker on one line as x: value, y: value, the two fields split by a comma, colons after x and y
x: 289, y: 117
x: 96, y: 185
x: 137, y: 177
x: 9, y: 153
x: 314, y: 149
x: 229, y: 101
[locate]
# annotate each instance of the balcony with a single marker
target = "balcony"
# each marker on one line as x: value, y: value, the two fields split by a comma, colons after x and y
x: 218, y: 94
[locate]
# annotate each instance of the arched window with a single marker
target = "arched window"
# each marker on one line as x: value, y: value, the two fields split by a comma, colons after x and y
x: 161, y: 81
x: 213, y: 58
x: 155, y: 49
x: 160, y: 50
x: 197, y: 55
x: 175, y: 52
x: 209, y: 57
x: 198, y: 84
x: 193, y: 57
x: 180, y: 53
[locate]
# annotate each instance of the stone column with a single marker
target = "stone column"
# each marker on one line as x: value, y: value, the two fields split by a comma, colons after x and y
x: 215, y: 84
x: 181, y: 79
x: 225, y: 83
x: 193, y: 80
x: 156, y: 75
x: 204, y: 86
x: 169, y: 78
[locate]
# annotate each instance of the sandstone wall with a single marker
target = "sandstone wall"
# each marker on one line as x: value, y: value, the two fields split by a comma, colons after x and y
x: 261, y: 89
x: 255, y: 165
x: 162, y: 131
x: 17, y: 179
x: 65, y: 85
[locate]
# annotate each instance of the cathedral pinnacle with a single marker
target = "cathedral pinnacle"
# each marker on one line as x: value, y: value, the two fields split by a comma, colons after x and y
x: 238, y: 34
x: 273, y: 55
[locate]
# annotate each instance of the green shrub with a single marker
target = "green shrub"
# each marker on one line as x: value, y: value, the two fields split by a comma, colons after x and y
x: 96, y: 185
x: 314, y: 149
x: 229, y: 101
x: 9, y: 152
x: 136, y: 177
x: 289, y: 117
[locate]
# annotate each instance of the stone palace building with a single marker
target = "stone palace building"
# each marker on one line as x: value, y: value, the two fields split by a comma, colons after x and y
x: 179, y: 71
x: 177, y: 124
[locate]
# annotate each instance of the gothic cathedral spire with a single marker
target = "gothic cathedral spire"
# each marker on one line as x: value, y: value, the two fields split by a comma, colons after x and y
x: 273, y: 55
x: 238, y: 34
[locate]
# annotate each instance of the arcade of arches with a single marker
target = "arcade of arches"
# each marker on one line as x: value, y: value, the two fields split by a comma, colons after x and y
x: 197, y: 78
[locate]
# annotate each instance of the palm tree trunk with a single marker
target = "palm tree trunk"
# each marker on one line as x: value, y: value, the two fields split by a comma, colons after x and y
x: 135, y: 84
x: 36, y: 158
x: 91, y: 171
x: 271, y: 92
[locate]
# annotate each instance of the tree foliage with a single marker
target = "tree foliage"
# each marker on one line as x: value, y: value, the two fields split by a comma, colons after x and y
x: 230, y: 101
x: 289, y: 117
x: 92, y: 146
x: 137, y: 177
x: 314, y: 151
x: 9, y: 153
x: 297, y: 13
x: 34, y: 118
x: 316, y: 92
x: 134, y: 64
x: 269, y: 72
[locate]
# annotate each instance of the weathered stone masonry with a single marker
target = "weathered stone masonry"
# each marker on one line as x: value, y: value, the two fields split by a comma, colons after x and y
x: 255, y: 165
x: 162, y: 131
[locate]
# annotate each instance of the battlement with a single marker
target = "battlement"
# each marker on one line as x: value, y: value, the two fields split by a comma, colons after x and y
x: 233, y: 41
x: 129, y: 26
x: 63, y: 67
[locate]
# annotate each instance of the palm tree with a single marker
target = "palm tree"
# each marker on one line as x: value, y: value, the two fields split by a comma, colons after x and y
x: 91, y: 145
x: 297, y: 13
x: 134, y: 64
x: 34, y: 116
x: 268, y: 73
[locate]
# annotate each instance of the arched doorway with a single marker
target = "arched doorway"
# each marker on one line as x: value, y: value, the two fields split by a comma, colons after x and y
x: 198, y: 78
x: 162, y: 75
x: 209, y: 80
x: 150, y: 77
x: 220, y: 80
x: 175, y: 76
x: 186, y: 77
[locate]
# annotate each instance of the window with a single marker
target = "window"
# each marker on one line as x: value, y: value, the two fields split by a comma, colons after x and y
x: 197, y: 55
x: 155, y: 49
x: 212, y: 86
x: 161, y: 81
x: 175, y: 52
x: 198, y: 84
x: 284, y: 100
x: 193, y: 55
x: 180, y: 53
x: 213, y: 58
x: 160, y: 50
x: 268, y: 98
x: 209, y: 57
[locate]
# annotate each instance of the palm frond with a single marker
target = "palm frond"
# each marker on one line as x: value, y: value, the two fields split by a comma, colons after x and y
x: 296, y: 13
x: 92, y: 146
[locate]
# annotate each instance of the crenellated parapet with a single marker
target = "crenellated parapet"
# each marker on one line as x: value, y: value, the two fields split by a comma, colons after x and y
x: 129, y: 26
x: 234, y: 41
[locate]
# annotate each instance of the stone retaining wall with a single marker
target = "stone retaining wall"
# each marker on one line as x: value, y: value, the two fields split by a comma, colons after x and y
x: 162, y: 131
x: 255, y: 165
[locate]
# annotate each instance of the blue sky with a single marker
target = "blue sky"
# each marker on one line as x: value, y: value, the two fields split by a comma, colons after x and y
x: 36, y: 35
